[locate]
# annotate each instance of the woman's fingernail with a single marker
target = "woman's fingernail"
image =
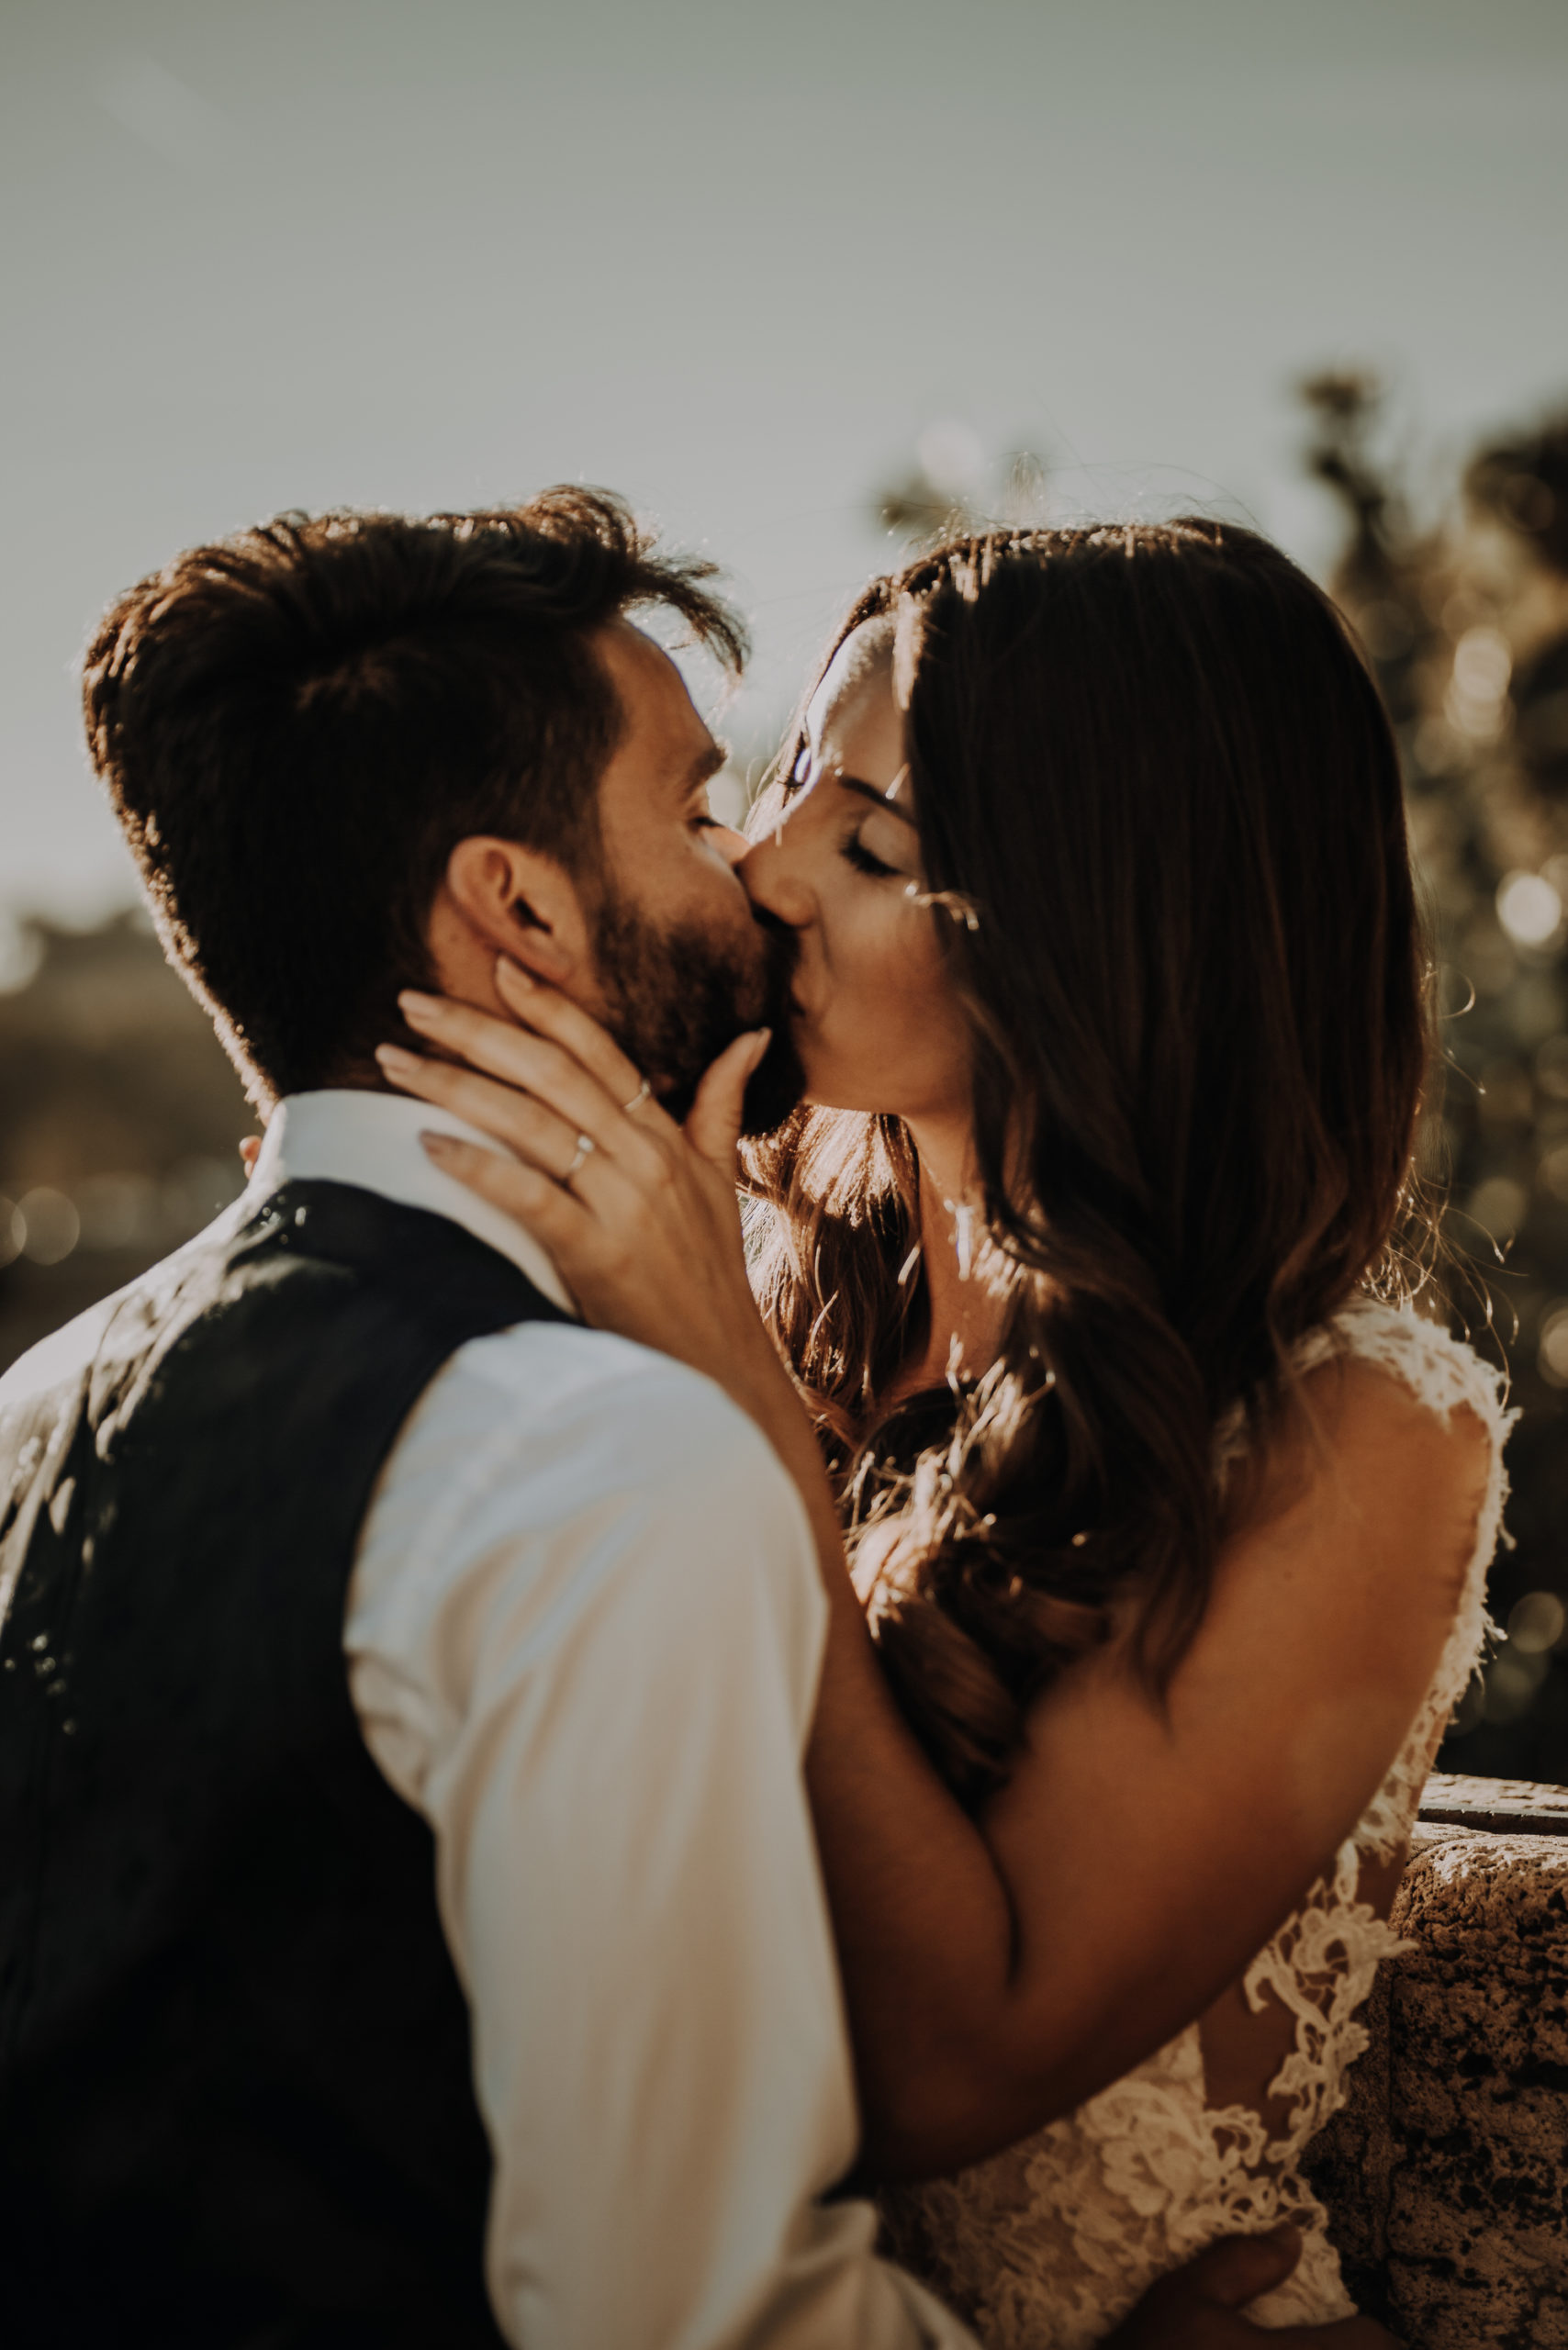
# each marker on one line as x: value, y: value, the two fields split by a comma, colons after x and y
x: 762, y: 1040
x: 393, y: 1057
x: 416, y: 1007
x: 507, y: 969
x: 439, y: 1146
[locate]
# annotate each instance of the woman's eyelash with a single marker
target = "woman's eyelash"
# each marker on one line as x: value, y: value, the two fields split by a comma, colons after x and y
x: 860, y: 857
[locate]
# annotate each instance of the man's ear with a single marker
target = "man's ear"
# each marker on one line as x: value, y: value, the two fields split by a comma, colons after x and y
x: 500, y: 897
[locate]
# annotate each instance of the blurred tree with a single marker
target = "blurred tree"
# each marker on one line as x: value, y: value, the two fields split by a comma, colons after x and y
x: 1466, y: 624
x: 119, y: 1120
x: 953, y: 484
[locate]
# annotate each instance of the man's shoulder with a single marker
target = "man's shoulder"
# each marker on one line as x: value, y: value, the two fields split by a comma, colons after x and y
x: 61, y: 1361
x: 564, y: 1385
x: 551, y: 1459
x: 138, y: 1316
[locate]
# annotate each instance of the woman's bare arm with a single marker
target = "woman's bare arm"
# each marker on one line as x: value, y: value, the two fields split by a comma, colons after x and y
x: 1145, y: 1854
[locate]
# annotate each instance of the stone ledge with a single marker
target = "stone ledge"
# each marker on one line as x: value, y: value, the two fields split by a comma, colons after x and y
x: 1446, y: 2174
x: 1506, y: 1807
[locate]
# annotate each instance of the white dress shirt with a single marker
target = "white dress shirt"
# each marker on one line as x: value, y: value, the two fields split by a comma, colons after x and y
x: 584, y: 1631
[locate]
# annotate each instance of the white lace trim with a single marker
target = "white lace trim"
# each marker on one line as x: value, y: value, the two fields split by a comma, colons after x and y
x: 1445, y: 1374
x: 1046, y: 2245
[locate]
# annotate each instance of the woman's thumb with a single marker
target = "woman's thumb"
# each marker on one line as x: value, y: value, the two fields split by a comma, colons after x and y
x: 714, y: 1121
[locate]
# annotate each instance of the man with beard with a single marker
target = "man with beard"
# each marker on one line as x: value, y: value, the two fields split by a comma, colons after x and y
x: 406, y: 1884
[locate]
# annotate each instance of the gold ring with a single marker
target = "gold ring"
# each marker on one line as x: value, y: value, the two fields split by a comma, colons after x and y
x: 585, y: 1144
x: 638, y: 1099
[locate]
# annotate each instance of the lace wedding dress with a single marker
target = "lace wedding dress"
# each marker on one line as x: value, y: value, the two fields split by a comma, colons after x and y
x: 1046, y: 2245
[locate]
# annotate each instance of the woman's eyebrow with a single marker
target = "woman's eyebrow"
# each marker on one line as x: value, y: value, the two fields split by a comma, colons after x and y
x: 878, y: 796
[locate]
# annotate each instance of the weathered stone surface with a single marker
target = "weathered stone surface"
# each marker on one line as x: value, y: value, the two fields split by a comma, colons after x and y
x: 1447, y: 2174
x: 1508, y: 1806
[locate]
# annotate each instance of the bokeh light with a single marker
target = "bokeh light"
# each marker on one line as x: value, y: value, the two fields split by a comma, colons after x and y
x: 1528, y: 909
x: 45, y: 1226
x: 1482, y: 664
x: 1551, y: 1349
x: 1512, y: 1679
x: 1498, y: 1206
x: 1537, y: 1622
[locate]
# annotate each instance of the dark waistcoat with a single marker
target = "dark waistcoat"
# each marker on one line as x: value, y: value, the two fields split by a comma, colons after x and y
x: 235, y: 2105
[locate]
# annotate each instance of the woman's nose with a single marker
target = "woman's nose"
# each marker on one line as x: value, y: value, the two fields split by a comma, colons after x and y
x: 773, y: 876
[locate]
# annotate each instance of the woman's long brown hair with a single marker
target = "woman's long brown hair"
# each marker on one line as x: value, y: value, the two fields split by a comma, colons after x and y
x: 1151, y: 762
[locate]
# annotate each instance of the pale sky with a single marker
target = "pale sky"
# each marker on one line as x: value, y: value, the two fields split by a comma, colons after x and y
x: 733, y: 259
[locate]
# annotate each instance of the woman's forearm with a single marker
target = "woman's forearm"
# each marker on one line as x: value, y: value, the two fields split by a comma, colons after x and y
x: 994, y: 1980
x: 969, y: 2029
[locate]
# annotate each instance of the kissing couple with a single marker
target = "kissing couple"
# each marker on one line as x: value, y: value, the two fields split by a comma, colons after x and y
x: 792, y: 1568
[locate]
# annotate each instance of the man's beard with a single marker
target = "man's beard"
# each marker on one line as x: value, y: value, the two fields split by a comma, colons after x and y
x: 673, y: 999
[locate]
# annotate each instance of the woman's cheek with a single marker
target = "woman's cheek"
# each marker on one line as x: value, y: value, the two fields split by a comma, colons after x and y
x: 923, y: 976
x: 906, y: 999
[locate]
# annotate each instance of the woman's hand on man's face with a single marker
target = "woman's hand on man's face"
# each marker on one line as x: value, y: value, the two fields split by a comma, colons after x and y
x: 639, y: 1215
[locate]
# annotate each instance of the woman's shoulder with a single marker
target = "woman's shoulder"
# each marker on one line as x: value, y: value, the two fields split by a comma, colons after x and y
x: 1357, y: 1536
x: 1418, y: 1358
x: 1388, y: 1457
x: 1378, y: 1373
x: 1399, y: 1404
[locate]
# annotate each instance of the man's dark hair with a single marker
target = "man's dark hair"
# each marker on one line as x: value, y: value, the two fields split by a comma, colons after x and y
x: 297, y: 726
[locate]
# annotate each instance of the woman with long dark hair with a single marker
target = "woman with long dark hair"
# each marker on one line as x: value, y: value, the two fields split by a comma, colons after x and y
x: 1093, y: 1252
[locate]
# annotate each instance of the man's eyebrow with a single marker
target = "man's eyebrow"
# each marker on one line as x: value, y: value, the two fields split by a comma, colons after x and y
x: 706, y: 764
x: 875, y: 795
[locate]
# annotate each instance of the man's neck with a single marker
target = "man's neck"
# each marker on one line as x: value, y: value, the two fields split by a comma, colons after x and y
x: 369, y: 1138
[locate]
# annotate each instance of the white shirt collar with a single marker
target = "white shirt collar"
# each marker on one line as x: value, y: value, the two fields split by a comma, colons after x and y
x: 372, y: 1140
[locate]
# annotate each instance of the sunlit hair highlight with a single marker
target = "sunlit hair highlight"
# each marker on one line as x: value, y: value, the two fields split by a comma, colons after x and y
x: 297, y: 724
x: 1151, y: 761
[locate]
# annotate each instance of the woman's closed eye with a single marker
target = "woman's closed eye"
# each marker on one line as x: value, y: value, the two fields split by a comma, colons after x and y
x: 855, y: 853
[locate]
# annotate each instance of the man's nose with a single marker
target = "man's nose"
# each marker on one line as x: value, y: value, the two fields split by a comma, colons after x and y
x: 731, y: 845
